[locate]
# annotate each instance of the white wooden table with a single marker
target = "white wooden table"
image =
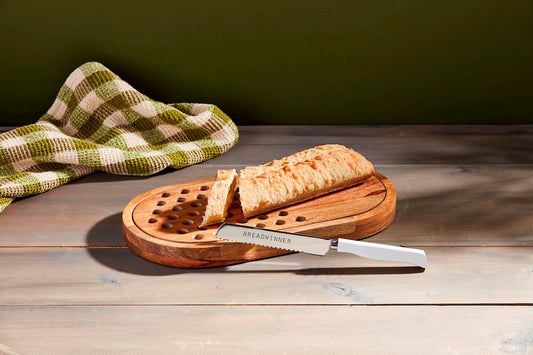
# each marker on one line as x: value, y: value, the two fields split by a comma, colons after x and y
x: 68, y: 284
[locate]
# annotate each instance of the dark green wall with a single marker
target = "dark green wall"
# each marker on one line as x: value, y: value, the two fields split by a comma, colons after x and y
x: 280, y: 61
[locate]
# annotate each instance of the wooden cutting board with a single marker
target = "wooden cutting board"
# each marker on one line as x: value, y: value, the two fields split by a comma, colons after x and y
x: 162, y: 225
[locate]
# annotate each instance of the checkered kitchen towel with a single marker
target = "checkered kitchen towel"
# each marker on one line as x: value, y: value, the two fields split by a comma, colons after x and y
x: 98, y: 122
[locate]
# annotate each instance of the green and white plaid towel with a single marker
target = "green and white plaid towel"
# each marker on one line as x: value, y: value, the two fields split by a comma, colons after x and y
x: 98, y: 122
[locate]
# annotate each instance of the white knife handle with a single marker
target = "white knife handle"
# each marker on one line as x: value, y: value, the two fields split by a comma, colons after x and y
x: 383, y: 252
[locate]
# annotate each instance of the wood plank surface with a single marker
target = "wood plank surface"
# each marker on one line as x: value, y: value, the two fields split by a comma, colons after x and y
x: 455, y: 205
x: 382, y: 132
x: 72, y: 276
x: 266, y: 330
x: 391, y: 144
x: 426, y: 150
x: 68, y: 284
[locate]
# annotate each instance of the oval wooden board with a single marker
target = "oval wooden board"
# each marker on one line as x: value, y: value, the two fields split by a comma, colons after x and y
x: 162, y: 225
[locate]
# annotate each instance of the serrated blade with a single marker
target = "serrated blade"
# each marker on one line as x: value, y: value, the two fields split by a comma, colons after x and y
x: 274, y: 239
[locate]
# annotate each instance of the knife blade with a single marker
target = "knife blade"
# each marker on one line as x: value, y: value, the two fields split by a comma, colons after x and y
x: 319, y: 246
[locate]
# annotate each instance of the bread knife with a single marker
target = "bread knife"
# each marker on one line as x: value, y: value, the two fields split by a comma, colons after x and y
x: 319, y: 246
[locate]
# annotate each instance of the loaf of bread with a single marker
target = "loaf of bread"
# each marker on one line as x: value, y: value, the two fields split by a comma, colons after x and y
x: 220, y: 197
x: 299, y: 177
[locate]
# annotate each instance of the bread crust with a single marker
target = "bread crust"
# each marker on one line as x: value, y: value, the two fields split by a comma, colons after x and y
x: 299, y: 177
x: 220, y: 197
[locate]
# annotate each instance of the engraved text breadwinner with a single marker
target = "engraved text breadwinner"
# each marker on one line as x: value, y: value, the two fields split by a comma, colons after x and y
x: 264, y: 236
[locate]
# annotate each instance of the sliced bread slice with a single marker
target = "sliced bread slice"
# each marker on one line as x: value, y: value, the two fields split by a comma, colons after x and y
x: 220, y: 197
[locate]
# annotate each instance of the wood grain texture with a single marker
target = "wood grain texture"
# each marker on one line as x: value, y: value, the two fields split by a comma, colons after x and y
x: 423, y: 151
x: 267, y: 330
x: 391, y: 144
x: 117, y: 276
x: 163, y: 224
x: 345, y: 133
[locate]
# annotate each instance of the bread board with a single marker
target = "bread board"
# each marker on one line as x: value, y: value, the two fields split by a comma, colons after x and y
x: 163, y: 225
